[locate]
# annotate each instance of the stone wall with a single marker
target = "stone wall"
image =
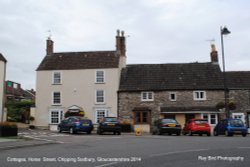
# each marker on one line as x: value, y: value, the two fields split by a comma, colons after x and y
x: 241, y: 99
x: 129, y: 100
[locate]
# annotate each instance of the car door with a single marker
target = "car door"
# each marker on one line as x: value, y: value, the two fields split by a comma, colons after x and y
x: 63, y: 124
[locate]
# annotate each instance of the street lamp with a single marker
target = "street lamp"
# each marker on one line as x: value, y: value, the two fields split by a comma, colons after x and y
x: 224, y: 31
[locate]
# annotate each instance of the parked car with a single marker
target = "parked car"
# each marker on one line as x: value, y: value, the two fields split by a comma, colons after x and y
x: 197, y: 126
x: 109, y: 124
x: 169, y: 126
x: 229, y: 127
x: 76, y: 124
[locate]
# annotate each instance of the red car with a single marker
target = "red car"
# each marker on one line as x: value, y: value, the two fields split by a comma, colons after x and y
x: 197, y: 126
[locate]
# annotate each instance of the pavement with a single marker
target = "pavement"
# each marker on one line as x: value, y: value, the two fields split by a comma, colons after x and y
x: 21, y: 140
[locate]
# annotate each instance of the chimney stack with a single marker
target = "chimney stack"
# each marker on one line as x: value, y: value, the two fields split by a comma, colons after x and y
x: 121, y: 43
x: 214, y: 54
x: 50, y: 47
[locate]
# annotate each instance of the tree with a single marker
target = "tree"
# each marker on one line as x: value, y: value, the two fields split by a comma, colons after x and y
x: 18, y: 111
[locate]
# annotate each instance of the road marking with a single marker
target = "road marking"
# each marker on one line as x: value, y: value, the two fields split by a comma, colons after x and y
x: 112, y: 163
x: 177, y: 152
x: 36, y: 138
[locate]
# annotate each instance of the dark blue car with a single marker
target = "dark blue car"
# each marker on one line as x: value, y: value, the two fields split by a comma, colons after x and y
x: 229, y: 127
x: 76, y: 124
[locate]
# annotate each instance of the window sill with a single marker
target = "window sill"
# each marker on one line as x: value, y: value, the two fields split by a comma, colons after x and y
x: 99, y: 82
x: 56, y: 104
x: 56, y: 84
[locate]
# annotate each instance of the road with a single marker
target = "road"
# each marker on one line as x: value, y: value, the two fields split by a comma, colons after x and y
x: 129, y: 150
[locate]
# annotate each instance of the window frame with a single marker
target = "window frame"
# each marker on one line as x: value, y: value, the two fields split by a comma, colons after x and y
x: 199, y: 98
x: 59, y: 116
x: 170, y: 96
x: 54, y: 78
x: 96, y: 97
x: 100, y: 110
x: 141, y: 117
x: 209, y: 118
x: 99, y: 77
x: 53, y: 98
x: 147, y: 97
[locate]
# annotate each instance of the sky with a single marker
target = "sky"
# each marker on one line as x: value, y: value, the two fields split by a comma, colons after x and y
x: 157, y: 31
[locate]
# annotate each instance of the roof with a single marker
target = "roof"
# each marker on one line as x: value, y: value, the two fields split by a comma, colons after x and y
x: 80, y: 60
x: 2, y: 58
x: 238, y: 79
x: 188, y: 76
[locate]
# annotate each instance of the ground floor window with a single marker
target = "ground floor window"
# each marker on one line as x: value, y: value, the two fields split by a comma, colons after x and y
x: 239, y: 116
x: 100, y: 113
x: 55, y: 116
x: 141, y: 117
x: 211, y: 118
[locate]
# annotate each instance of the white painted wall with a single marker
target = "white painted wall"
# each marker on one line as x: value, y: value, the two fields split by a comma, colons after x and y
x: 78, y: 88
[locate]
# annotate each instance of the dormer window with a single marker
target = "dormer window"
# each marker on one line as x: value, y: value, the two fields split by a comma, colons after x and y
x: 99, y: 76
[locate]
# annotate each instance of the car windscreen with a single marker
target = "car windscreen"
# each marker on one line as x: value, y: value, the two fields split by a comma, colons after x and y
x: 110, y: 119
x: 236, y: 122
x: 200, y: 121
x: 169, y: 121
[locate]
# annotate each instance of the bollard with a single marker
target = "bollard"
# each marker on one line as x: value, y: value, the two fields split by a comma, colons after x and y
x: 138, y: 132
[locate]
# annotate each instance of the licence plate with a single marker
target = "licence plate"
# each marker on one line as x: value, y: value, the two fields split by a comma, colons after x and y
x: 111, y: 124
x: 85, y: 124
x: 171, y: 125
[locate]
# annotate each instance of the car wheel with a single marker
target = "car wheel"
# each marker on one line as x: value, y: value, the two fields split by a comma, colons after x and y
x: 114, y: 133
x: 169, y: 134
x: 99, y: 132
x: 89, y: 132
x: 200, y: 134
x: 178, y: 134
x: 244, y: 134
x: 208, y: 134
x: 215, y: 133
x: 190, y: 133
x: 119, y: 133
x: 71, y: 131
x: 59, y: 130
x: 228, y: 134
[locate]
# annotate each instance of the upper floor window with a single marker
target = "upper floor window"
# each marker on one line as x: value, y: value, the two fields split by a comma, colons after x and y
x: 56, y: 98
x: 147, y: 96
x: 57, y: 78
x: 99, y: 76
x: 172, y: 96
x: 100, y: 96
x: 199, y: 95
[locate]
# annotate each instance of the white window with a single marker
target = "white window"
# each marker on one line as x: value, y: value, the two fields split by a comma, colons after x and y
x: 99, y: 77
x: 211, y: 118
x: 172, y: 96
x: 57, y: 78
x: 55, y: 116
x: 239, y: 116
x: 100, y: 113
x: 100, y: 96
x: 199, y: 95
x: 56, y: 99
x: 147, y: 96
